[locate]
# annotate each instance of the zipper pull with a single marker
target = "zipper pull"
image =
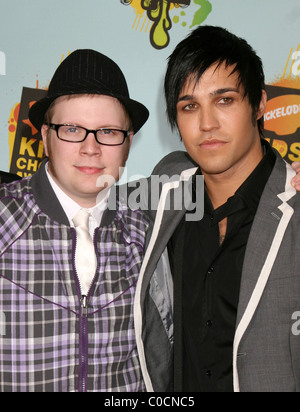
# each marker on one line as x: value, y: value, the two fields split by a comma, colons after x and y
x: 84, y: 306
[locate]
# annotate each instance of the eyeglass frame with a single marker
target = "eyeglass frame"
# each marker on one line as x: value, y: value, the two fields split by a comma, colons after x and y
x: 56, y: 127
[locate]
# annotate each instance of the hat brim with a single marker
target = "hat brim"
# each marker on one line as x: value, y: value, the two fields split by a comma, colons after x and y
x: 138, y: 113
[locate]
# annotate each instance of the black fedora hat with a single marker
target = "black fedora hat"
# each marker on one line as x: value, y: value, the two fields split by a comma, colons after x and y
x: 89, y: 72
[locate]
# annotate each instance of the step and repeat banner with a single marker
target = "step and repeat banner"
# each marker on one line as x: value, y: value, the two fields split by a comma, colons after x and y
x: 36, y: 35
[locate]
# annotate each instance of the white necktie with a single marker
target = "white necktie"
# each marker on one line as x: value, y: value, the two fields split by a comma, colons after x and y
x: 85, y: 258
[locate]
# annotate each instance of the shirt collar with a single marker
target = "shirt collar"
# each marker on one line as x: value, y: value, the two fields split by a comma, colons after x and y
x: 71, y: 208
x: 250, y: 192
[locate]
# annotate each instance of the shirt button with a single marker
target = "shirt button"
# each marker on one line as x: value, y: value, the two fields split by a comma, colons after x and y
x: 211, y: 271
x: 208, y: 373
x: 209, y: 323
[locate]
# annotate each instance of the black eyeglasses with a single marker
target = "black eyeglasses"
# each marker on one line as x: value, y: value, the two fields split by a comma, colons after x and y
x: 77, y: 134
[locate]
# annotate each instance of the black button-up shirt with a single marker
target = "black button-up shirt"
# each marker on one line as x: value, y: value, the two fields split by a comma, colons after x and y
x: 211, y: 282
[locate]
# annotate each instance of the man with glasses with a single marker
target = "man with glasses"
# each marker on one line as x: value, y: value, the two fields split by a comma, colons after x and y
x: 68, y: 264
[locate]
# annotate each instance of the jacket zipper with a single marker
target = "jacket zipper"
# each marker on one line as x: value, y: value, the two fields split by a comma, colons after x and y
x: 84, y: 345
x: 84, y: 306
x: 83, y: 326
x: 83, y: 336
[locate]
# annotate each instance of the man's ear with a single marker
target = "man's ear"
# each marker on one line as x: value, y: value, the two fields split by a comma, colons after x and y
x: 130, y: 137
x: 262, y: 106
x: 44, y: 132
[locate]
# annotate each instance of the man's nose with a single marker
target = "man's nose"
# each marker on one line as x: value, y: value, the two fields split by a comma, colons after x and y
x: 90, y: 146
x: 208, y: 119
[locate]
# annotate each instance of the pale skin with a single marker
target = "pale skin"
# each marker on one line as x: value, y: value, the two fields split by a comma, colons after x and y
x: 296, y: 180
x: 217, y: 126
x: 76, y: 167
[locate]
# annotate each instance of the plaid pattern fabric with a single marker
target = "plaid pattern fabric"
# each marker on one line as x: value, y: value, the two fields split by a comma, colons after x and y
x: 47, y: 342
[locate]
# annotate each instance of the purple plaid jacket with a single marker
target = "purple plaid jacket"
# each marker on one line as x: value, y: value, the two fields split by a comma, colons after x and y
x: 51, y: 340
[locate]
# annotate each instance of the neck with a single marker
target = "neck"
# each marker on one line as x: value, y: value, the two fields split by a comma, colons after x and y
x: 220, y: 187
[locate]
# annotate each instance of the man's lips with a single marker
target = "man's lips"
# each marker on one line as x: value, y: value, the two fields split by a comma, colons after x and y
x: 212, y: 144
x: 89, y: 170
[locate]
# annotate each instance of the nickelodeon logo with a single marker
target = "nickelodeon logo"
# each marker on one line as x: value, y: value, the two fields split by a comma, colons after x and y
x: 2, y: 64
x: 283, y: 115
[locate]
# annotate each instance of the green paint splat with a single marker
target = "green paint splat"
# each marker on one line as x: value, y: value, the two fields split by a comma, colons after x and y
x: 202, y: 14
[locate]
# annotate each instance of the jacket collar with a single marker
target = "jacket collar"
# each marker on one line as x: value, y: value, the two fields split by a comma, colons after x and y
x: 273, y: 208
x: 269, y: 227
x: 45, y: 196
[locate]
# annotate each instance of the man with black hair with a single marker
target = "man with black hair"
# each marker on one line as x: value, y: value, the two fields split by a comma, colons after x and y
x: 236, y: 271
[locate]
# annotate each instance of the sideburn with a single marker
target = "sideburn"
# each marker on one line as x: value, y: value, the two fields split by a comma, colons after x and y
x: 51, y: 169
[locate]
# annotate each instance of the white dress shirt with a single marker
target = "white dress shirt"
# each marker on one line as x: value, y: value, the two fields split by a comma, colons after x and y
x: 71, y: 208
